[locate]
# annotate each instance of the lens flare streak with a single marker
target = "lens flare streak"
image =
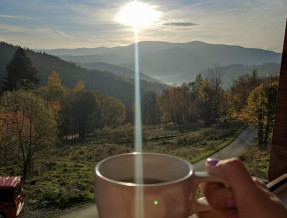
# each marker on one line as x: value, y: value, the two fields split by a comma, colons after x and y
x: 138, y: 135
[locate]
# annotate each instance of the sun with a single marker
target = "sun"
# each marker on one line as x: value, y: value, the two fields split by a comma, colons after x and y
x: 137, y: 14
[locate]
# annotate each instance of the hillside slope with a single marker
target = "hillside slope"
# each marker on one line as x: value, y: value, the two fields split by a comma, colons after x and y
x: 70, y: 74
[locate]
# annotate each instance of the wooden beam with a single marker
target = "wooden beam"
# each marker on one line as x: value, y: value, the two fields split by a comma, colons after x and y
x: 278, y: 155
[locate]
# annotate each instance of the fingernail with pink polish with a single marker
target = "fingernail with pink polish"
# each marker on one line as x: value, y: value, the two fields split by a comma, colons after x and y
x: 212, y: 162
x: 231, y: 203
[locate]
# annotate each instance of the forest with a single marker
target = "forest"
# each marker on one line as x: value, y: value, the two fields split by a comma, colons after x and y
x: 103, y: 81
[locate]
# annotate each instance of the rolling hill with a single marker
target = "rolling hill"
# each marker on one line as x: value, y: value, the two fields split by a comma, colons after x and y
x: 97, y: 80
x: 173, y: 63
x: 117, y: 70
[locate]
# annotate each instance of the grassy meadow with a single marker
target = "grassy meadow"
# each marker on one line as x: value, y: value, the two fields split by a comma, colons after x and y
x: 256, y: 161
x: 63, y: 176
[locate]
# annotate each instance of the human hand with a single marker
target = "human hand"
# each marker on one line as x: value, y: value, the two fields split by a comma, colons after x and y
x: 244, y: 199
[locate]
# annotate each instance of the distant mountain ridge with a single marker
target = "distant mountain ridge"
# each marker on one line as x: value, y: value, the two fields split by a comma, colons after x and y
x: 171, y: 62
x: 146, y: 47
x: 97, y: 80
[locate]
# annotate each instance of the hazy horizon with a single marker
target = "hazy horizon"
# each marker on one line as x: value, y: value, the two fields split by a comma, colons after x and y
x: 151, y: 41
x: 73, y: 24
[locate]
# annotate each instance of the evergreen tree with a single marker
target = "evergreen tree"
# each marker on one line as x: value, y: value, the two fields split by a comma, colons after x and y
x: 20, y: 73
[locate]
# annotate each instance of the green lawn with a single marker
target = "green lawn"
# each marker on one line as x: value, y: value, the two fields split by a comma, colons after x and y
x: 256, y: 161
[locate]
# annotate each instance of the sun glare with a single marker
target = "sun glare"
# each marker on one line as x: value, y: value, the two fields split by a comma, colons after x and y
x: 137, y: 14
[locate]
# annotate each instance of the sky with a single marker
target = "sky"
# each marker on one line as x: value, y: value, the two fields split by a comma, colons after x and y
x: 50, y: 24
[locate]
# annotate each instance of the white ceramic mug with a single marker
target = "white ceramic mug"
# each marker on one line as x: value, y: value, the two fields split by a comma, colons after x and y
x: 169, y: 187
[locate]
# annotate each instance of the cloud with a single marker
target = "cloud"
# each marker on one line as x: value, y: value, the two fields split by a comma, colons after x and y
x: 20, y: 17
x: 180, y: 24
x: 70, y: 23
x: 13, y: 29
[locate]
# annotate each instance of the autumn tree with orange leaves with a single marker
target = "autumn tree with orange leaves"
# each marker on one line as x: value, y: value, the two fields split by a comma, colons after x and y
x: 53, y: 92
x: 260, y: 110
x: 27, y: 128
x: 112, y: 112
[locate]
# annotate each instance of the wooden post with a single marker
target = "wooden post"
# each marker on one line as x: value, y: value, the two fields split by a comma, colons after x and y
x: 278, y: 156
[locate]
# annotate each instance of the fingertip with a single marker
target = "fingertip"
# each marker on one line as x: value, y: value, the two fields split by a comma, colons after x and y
x: 233, y: 216
x: 212, y: 162
x: 231, y: 203
x: 212, y: 167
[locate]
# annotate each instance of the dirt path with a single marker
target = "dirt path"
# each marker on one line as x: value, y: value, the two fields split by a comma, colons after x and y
x: 234, y: 149
x: 87, y: 211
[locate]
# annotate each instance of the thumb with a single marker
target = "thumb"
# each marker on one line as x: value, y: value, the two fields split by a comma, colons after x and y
x: 251, y: 201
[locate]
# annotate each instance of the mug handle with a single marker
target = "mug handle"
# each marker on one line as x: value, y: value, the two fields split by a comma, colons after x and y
x: 198, y: 205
